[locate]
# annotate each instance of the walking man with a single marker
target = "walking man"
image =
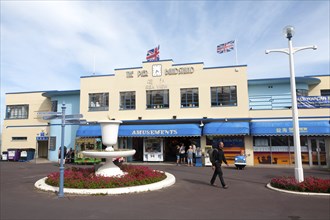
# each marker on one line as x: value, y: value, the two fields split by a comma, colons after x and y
x: 218, y: 157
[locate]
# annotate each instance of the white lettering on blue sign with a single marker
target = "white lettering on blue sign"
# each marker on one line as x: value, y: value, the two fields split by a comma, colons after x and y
x: 290, y: 130
x: 154, y: 132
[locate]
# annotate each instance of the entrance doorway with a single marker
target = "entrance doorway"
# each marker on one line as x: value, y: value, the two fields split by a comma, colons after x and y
x: 43, y: 149
x: 317, y: 153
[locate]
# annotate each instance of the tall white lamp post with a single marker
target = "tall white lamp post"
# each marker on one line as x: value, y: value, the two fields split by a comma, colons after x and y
x: 288, y: 33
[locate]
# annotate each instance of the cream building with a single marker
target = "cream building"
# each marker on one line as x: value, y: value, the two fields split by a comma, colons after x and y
x: 23, y: 128
x: 163, y: 105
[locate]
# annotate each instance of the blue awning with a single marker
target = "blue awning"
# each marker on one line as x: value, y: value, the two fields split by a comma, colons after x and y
x: 226, y: 128
x: 306, y: 128
x: 89, y: 131
x: 159, y: 130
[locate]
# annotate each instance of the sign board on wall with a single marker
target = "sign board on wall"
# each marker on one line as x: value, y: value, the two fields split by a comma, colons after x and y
x: 313, y: 101
x: 52, y: 143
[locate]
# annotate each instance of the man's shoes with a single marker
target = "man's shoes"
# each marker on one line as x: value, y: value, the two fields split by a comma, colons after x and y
x: 213, y: 184
x: 225, y: 186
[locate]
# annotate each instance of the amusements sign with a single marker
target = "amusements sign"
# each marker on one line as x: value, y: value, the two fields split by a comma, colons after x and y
x: 313, y: 101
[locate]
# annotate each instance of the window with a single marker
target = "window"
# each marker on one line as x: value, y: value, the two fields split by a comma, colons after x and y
x: 325, y: 92
x: 127, y: 100
x: 54, y: 106
x: 98, y: 101
x: 189, y: 98
x: 17, y: 111
x: 18, y: 138
x: 224, y: 96
x: 260, y: 141
x: 302, y: 92
x: 158, y: 99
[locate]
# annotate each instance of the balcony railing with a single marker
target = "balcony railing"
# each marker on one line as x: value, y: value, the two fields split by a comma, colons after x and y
x: 270, y: 102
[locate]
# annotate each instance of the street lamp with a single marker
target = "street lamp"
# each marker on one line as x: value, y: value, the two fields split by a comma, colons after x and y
x: 288, y: 33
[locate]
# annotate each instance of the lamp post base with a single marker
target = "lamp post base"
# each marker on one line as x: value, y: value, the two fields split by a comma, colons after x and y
x: 299, y: 174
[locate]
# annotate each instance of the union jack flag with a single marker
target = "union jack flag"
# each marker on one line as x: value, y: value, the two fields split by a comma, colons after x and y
x: 153, y: 54
x: 226, y: 47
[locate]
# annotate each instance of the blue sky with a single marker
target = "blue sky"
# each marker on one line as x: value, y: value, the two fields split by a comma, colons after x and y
x: 49, y: 45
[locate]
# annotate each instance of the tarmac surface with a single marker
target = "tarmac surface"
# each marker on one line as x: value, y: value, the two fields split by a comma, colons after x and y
x: 191, y: 197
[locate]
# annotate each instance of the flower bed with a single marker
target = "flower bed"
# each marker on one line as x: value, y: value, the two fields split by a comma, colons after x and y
x: 85, y: 178
x: 310, y: 184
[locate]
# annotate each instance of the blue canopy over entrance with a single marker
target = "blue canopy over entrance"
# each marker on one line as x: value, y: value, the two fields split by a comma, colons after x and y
x: 226, y: 128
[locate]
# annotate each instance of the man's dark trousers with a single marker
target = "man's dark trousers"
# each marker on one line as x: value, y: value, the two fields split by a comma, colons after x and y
x: 218, y: 171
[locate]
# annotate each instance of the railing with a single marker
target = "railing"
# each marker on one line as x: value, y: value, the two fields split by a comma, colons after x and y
x: 270, y: 102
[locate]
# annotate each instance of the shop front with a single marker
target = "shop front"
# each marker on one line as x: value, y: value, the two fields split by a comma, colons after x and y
x: 230, y: 133
x: 88, y: 137
x: 152, y: 142
x: 157, y: 142
x: 273, y: 142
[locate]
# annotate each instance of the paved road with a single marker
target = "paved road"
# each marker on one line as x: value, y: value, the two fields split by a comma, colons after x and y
x: 191, y: 197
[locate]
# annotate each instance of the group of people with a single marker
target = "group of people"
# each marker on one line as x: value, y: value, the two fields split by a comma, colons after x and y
x: 190, y: 154
x: 68, y: 156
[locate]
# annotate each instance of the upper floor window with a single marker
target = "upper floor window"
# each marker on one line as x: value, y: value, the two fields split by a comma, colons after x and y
x: 325, y: 92
x: 127, y: 100
x: 302, y: 92
x: 189, y: 98
x: 17, y: 111
x: 224, y: 96
x: 18, y: 138
x: 54, y: 106
x: 98, y: 101
x: 158, y: 99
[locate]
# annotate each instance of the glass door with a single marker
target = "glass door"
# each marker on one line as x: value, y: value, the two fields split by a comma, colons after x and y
x: 317, y: 152
x: 153, y: 149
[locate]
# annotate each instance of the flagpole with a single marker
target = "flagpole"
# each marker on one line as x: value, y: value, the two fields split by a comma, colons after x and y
x: 236, y: 51
x: 94, y: 65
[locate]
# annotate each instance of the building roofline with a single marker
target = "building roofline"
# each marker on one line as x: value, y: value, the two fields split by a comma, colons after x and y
x: 8, y: 93
x: 105, y: 75
x: 317, y: 75
x: 307, y: 80
x: 157, y: 61
x: 220, y: 67
x: 138, y: 67
x: 182, y: 64
x: 60, y: 93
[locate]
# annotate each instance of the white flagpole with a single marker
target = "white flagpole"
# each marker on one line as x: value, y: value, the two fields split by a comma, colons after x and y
x: 94, y: 65
x: 236, y: 51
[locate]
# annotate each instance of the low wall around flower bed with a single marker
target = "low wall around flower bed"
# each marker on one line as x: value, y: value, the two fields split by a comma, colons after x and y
x: 296, y: 192
x: 168, y: 181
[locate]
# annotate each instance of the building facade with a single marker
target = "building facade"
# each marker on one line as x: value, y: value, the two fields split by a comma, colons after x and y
x: 271, y: 120
x: 163, y: 105
x: 24, y: 127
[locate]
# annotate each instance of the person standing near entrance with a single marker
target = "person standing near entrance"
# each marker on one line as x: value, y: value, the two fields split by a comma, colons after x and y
x: 219, y: 157
x: 183, y: 153
x: 177, y: 154
x: 59, y: 155
x: 190, y: 156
